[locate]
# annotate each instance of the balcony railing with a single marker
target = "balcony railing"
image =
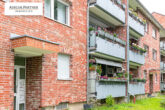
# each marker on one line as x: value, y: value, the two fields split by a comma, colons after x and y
x: 137, y: 88
x: 106, y: 88
x: 137, y: 57
x: 109, y: 11
x: 102, y: 44
x: 162, y: 46
x: 137, y: 27
x: 162, y: 86
x: 162, y: 66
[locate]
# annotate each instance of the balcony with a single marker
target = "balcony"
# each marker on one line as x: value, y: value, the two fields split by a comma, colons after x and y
x: 162, y: 48
x: 114, y: 88
x: 162, y: 86
x: 106, y: 44
x: 137, y: 88
x: 136, y: 57
x: 136, y: 27
x: 162, y: 66
x: 108, y: 11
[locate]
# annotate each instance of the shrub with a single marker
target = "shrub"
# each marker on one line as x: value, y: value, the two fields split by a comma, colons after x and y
x: 110, y: 100
x: 162, y: 103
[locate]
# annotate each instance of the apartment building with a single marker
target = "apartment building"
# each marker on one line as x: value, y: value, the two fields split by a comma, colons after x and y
x: 108, y: 50
x: 43, y: 58
x: 160, y: 18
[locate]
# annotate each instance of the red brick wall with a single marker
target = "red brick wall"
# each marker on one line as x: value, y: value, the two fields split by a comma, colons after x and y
x: 33, y: 83
x: 160, y: 18
x: 72, y: 41
x: 150, y: 64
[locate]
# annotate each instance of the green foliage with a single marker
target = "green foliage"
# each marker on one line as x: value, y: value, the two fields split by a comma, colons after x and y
x: 99, y: 69
x: 91, y: 29
x: 110, y: 101
x: 120, y: 75
x: 162, y: 103
x: 143, y: 104
x: 115, y: 35
x: 90, y: 65
x: 130, y: 77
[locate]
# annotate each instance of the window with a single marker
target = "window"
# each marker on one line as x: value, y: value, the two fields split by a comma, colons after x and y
x: 154, y: 54
x: 57, y: 10
x: 146, y: 27
x: 62, y: 106
x: 145, y: 74
x: 147, y: 50
x: 156, y: 78
x: 153, y: 33
x: 63, y: 67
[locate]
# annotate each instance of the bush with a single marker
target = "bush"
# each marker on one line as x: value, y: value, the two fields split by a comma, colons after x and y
x: 162, y: 103
x: 110, y: 101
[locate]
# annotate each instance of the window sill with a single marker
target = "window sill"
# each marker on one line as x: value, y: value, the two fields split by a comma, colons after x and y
x: 58, y: 22
x: 69, y: 79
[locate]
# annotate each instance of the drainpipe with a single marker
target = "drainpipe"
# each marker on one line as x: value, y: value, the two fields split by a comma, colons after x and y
x: 88, y: 51
x: 127, y: 14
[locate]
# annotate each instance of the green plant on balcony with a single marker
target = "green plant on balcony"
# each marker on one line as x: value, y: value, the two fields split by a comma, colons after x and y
x: 91, y: 29
x: 92, y: 67
x: 99, y: 69
x: 120, y: 75
x: 114, y: 35
x: 130, y: 77
x: 138, y: 48
x: 138, y: 80
x: 131, y: 9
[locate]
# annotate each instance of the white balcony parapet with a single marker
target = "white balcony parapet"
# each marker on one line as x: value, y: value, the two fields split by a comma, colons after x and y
x: 137, y: 27
x: 109, y: 11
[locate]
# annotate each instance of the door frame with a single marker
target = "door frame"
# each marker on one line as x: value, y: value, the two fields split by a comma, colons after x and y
x: 17, y: 67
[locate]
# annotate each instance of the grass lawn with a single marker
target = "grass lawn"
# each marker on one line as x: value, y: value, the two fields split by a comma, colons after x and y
x: 144, y: 104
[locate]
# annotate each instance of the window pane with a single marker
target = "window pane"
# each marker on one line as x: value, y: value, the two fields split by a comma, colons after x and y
x: 154, y: 33
x: 61, y: 12
x: 22, y: 73
x: 55, y: 9
x: 21, y: 106
x: 47, y: 8
x: 63, y: 66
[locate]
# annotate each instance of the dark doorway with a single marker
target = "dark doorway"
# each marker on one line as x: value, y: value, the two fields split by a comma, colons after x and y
x: 151, y: 84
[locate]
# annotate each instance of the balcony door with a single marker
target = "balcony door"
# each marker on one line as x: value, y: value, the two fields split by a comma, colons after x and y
x: 19, y: 87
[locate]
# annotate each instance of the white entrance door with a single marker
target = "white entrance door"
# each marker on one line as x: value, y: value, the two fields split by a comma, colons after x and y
x: 19, y: 87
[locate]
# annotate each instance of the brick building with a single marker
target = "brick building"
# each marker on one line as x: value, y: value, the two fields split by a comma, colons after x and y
x: 43, y: 58
x: 108, y: 55
x: 160, y: 18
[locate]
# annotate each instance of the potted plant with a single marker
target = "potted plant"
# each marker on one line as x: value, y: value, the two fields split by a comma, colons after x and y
x: 92, y: 67
x: 91, y: 29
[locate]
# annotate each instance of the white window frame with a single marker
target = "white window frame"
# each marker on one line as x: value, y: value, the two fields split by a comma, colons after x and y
x: 146, y: 27
x: 156, y: 80
x: 154, y: 33
x: 59, y: 78
x: 145, y: 74
x: 147, y: 50
x: 154, y: 56
x: 67, y: 12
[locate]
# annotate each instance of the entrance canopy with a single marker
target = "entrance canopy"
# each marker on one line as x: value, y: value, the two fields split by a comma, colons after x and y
x: 28, y: 46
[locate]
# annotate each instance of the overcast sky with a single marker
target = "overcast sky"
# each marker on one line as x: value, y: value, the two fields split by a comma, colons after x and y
x: 154, y: 5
